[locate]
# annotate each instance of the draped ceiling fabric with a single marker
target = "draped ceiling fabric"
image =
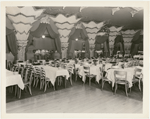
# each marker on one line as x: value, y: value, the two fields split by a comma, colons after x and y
x: 119, y: 45
x: 137, y: 45
x: 81, y: 35
x: 99, y: 40
x: 11, y: 45
x: 44, y: 43
x: 40, y: 31
x: 21, y: 20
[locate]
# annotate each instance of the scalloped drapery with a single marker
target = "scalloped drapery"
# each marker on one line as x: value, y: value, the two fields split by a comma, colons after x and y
x: 40, y: 31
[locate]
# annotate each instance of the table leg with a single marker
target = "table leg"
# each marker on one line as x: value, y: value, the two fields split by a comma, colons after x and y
x: 55, y: 85
x: 65, y: 81
x: 71, y: 79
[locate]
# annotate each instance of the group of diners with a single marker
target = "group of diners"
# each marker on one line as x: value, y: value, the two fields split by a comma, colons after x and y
x: 52, y: 73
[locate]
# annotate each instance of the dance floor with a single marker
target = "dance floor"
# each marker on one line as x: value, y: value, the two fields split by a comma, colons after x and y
x: 76, y: 99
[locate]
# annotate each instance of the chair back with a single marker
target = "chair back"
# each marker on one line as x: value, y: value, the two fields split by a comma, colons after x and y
x: 120, y: 75
x: 9, y: 65
x: 26, y: 77
x: 70, y: 68
x: 137, y: 72
x: 42, y: 74
x: 37, y: 71
x: 14, y: 68
x: 21, y: 71
x: 86, y: 69
x: 31, y: 76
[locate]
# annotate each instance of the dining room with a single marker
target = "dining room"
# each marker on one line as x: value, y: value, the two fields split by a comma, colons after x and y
x: 74, y: 59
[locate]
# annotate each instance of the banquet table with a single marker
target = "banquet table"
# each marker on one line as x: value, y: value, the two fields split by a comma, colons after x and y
x: 13, y: 78
x: 53, y: 72
x: 130, y: 74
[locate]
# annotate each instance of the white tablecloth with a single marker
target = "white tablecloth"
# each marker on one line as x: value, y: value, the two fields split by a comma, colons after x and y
x: 130, y: 74
x: 93, y: 70
x: 53, y: 72
x: 107, y: 66
x: 14, y: 79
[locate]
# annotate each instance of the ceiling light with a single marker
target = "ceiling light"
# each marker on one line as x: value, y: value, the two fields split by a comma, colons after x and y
x: 43, y: 36
x: 76, y: 39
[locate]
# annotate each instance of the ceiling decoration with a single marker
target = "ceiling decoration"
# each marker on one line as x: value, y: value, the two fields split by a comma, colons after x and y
x: 92, y: 24
x: 115, y: 10
x: 78, y: 26
x: 61, y: 19
x: 22, y: 28
x: 45, y: 20
x: 64, y: 26
x: 136, y: 10
x: 26, y: 11
x: 94, y: 30
x: 81, y: 8
x: 133, y: 13
x: 21, y: 19
x: 23, y: 36
x: 92, y: 36
x: 64, y: 39
x: 115, y: 29
x: 117, y: 16
x: 64, y: 32
x: 129, y: 32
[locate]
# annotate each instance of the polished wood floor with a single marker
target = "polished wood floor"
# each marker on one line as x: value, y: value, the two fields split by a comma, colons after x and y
x: 77, y: 99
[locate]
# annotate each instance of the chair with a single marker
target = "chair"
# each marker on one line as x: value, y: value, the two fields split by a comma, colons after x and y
x: 70, y: 70
x: 104, y: 78
x: 137, y: 77
x: 37, y: 72
x: 44, y: 80
x: 15, y: 68
x: 9, y: 65
x: 87, y: 73
x: 121, y: 78
x: 21, y: 71
x: 27, y: 82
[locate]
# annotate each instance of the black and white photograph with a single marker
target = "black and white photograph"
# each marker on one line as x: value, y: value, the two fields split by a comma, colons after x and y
x: 75, y: 59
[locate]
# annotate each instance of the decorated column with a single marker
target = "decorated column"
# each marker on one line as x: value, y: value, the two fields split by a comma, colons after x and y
x: 22, y: 19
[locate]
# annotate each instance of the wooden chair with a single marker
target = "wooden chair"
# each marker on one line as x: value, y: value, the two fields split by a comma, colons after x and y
x: 27, y: 82
x: 104, y: 78
x: 137, y: 78
x: 37, y: 72
x: 44, y: 81
x: 87, y: 73
x: 9, y: 65
x: 121, y: 78
x: 70, y: 70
